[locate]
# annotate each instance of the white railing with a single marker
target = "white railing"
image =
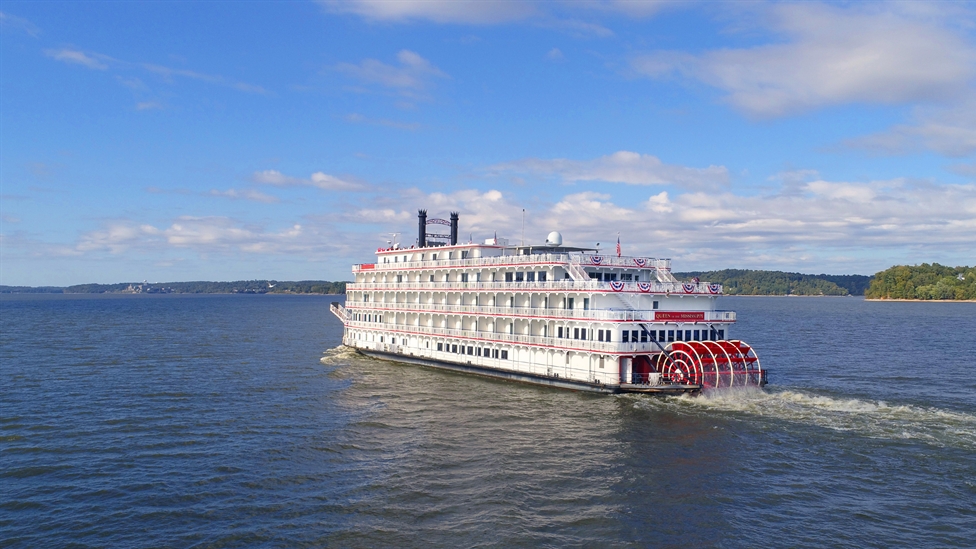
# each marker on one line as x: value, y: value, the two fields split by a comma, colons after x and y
x: 555, y: 259
x: 677, y: 288
x: 575, y: 314
x: 554, y: 342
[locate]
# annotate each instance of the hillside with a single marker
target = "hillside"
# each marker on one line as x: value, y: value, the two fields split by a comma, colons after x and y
x: 750, y: 282
x: 925, y: 281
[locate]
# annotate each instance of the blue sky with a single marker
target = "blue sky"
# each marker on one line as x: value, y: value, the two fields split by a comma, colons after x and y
x: 170, y: 141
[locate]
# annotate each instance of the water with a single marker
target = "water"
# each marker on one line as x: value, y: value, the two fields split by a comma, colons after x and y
x: 229, y: 421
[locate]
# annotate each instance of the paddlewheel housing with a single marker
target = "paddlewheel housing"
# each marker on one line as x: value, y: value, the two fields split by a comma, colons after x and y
x: 711, y: 364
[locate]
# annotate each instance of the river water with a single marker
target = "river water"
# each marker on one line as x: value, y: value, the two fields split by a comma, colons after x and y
x: 230, y: 421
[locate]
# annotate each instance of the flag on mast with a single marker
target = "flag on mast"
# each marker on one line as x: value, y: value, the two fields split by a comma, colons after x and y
x: 618, y: 244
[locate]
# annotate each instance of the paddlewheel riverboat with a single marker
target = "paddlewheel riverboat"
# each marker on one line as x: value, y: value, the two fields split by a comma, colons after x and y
x: 546, y: 314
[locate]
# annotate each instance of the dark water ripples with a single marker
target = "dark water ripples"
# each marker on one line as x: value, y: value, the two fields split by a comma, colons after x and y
x: 216, y: 421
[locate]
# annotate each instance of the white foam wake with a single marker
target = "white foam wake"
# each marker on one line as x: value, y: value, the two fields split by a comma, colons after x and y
x: 875, y: 419
x: 340, y: 355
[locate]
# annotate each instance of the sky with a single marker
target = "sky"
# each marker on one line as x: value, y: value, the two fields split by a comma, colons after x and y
x: 172, y: 141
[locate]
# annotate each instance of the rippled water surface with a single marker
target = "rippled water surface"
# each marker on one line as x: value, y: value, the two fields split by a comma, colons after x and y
x: 228, y: 421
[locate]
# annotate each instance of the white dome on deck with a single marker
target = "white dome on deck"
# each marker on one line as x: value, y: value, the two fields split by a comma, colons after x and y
x: 554, y: 239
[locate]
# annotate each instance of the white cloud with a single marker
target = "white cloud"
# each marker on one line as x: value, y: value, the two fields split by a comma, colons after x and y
x: 245, y: 194
x: 950, y: 131
x: 76, y: 57
x: 831, y: 55
x: 12, y: 21
x: 319, y: 180
x: 148, y: 106
x: 620, y: 167
x: 455, y: 11
x: 414, y: 73
x: 555, y: 55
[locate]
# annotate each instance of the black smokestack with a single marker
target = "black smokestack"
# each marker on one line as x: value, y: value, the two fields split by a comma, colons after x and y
x: 454, y: 227
x: 422, y: 228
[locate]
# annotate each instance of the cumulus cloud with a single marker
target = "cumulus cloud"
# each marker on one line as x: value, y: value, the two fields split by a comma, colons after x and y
x: 319, y: 180
x: 620, y: 167
x: 950, y: 131
x: 244, y: 194
x: 830, y: 55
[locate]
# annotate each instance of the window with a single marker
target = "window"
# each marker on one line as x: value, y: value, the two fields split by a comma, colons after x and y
x: 542, y: 276
x: 470, y: 350
x: 433, y: 257
x: 477, y: 351
x: 653, y: 335
x: 582, y: 333
x: 626, y: 276
x: 509, y: 277
x: 519, y: 277
x: 569, y: 303
x: 608, y: 335
x: 643, y: 336
x: 399, y: 278
x: 559, y: 331
x: 678, y: 336
x: 599, y: 335
x: 450, y: 255
x: 687, y: 335
x: 633, y: 336
x: 431, y: 278
x: 595, y: 276
x: 453, y: 348
x: 504, y: 355
x: 586, y: 304
x: 575, y: 333
x: 494, y: 353
x: 696, y: 336
x: 626, y: 336
x: 464, y: 277
x: 713, y: 334
x: 464, y: 254
x: 530, y: 276
x: 660, y: 335
x: 610, y: 276
x: 654, y: 305
x: 721, y: 334
x: 396, y: 259
x: 670, y: 335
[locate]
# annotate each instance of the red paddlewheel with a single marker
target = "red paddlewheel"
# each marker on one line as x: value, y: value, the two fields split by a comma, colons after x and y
x: 710, y: 364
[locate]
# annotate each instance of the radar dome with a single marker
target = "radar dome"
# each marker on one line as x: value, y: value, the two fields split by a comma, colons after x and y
x: 554, y: 239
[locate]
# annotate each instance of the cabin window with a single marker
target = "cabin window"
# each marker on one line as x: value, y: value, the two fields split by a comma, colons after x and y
x: 643, y: 336
x: 660, y: 335
x: 654, y: 305
x: 453, y: 348
x: 433, y: 257
x: 399, y: 278
x: 569, y: 302
x: 464, y: 254
x: 586, y: 304
x: 670, y: 335
x: 464, y: 277
x: 431, y: 278
x: 633, y: 336
x: 509, y: 277
x: 653, y: 335
x: 609, y: 276
x: 575, y: 333
x: 626, y: 276
x: 582, y: 333
x: 678, y: 336
x: 494, y: 353
x: 504, y: 355
x: 470, y: 350
x: 559, y: 331
x: 697, y: 335
x: 599, y: 335
x: 519, y: 277
x: 542, y: 276
x: 530, y: 276
x: 381, y: 339
x: 450, y: 255
x: 608, y: 335
x: 626, y: 338
x: 595, y: 276
x: 712, y: 334
x: 687, y: 335
x: 721, y: 334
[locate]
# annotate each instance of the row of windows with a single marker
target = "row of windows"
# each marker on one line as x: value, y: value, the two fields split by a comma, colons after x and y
x: 473, y: 351
x: 362, y: 317
x: 667, y: 336
x: 612, y: 277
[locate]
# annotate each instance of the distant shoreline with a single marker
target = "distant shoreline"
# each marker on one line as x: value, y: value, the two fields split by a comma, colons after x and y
x: 923, y: 300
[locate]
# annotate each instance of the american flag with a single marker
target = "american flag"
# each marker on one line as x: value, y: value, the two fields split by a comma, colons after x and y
x: 618, y: 244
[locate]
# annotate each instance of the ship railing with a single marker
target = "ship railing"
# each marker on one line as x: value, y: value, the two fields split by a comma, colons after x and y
x: 576, y: 314
x: 564, y: 344
x: 340, y: 311
x: 585, y: 260
x: 677, y: 288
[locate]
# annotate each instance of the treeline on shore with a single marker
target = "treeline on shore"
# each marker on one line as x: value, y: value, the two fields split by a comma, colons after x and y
x: 925, y: 281
x: 751, y: 282
x: 198, y: 287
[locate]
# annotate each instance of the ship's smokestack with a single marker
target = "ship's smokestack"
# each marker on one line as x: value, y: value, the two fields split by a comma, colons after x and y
x: 422, y: 228
x: 454, y: 228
